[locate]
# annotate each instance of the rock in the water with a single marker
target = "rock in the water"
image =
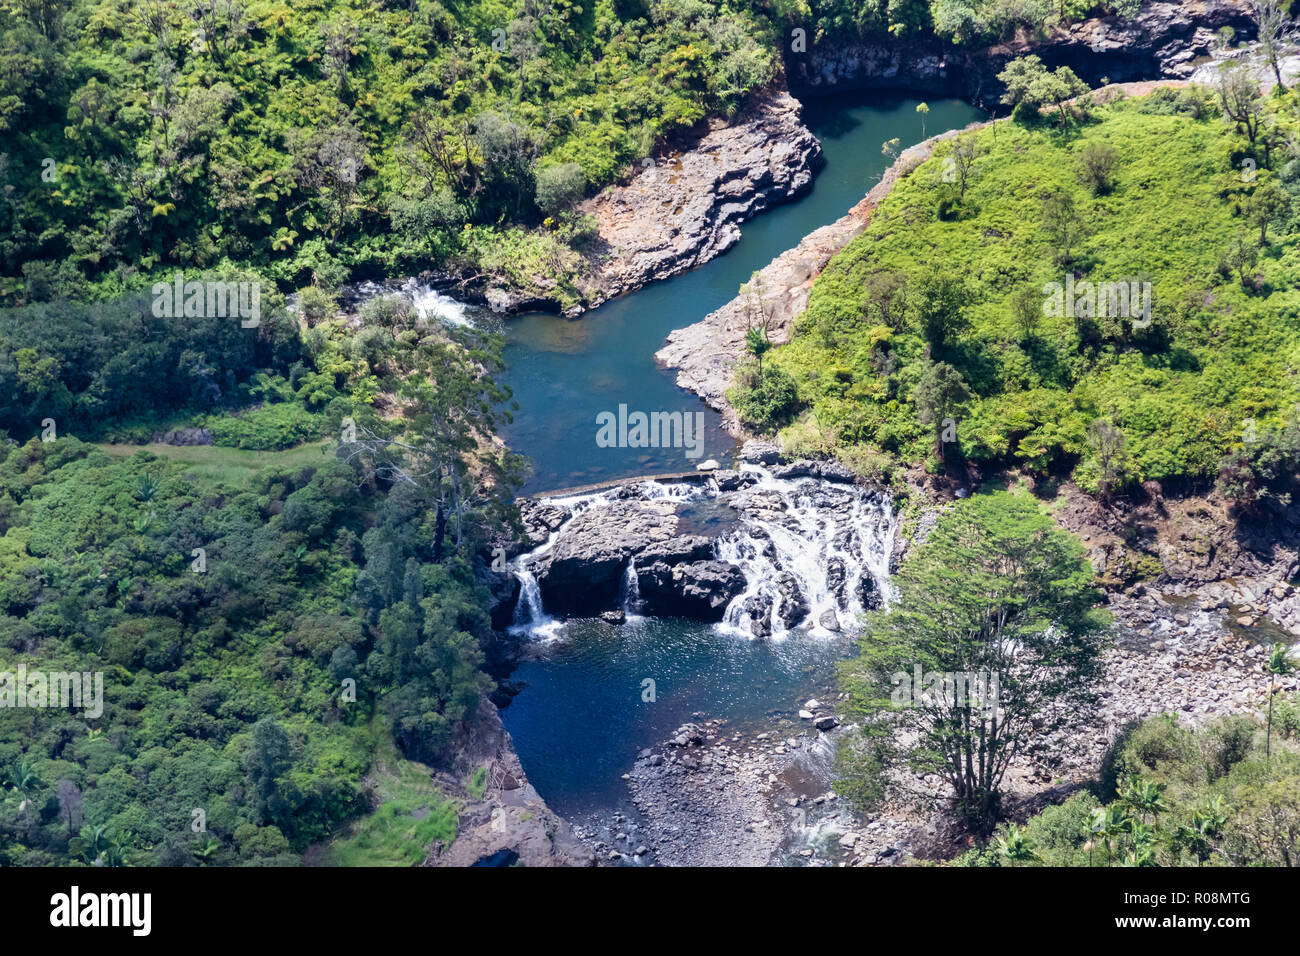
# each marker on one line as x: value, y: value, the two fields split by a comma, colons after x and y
x: 728, y: 480
x: 760, y: 452
x: 699, y: 589
x: 584, y: 570
x: 829, y: 621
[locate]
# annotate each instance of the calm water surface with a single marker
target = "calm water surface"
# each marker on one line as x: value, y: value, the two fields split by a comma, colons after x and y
x: 581, y: 720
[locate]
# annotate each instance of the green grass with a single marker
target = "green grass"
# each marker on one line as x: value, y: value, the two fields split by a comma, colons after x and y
x: 476, y: 786
x: 226, y: 466
x: 393, y: 835
x: 1217, y: 353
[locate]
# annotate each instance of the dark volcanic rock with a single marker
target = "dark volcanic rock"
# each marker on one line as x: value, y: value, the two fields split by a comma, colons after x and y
x: 734, y: 480
x: 827, y: 470
x: 1163, y: 40
x: 700, y: 589
x: 691, y: 547
x: 584, y: 570
x: 760, y: 452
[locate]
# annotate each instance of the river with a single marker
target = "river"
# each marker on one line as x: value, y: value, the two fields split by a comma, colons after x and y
x: 581, y: 719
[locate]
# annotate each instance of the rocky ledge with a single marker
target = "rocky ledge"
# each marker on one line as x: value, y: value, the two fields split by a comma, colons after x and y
x: 684, y: 209
x: 509, y: 823
x: 705, y: 354
x: 1165, y: 39
x: 638, y: 547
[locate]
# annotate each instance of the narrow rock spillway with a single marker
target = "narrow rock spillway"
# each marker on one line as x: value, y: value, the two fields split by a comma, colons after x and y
x: 759, y: 551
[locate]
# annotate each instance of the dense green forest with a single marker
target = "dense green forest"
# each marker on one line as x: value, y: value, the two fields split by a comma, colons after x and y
x: 267, y: 627
x: 1172, y: 796
x: 938, y: 334
x: 311, y: 142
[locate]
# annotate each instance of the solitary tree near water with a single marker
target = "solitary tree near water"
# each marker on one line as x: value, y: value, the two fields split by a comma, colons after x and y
x: 1029, y: 83
x: 1274, y: 33
x: 995, y: 589
x: 1240, y: 98
x: 964, y: 153
x: 443, y: 443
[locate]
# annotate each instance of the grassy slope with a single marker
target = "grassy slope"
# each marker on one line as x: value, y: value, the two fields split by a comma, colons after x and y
x: 1230, y: 353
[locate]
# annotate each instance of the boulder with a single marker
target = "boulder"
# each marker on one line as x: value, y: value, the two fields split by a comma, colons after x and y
x: 826, y: 470
x: 760, y: 452
x: 728, y: 480
x: 698, y: 589
x: 584, y: 570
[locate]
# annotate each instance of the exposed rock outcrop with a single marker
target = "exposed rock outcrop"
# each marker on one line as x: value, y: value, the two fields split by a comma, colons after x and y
x: 510, y: 822
x: 705, y: 354
x: 1164, y: 39
x: 700, y: 589
x: 585, y: 568
x: 687, y: 208
x: 800, y: 544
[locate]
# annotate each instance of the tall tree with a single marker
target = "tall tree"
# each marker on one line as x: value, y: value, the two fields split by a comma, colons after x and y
x: 941, y: 397
x: 1274, y: 33
x: 996, y: 591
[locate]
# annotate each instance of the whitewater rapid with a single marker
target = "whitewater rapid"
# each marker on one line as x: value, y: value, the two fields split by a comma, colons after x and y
x: 814, y: 553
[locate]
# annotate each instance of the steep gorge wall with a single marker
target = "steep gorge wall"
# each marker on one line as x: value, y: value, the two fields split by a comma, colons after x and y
x: 1165, y: 40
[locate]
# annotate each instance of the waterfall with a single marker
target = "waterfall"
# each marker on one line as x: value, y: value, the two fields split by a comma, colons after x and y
x: 426, y: 301
x: 814, y: 553
x: 631, y: 591
x: 530, y: 617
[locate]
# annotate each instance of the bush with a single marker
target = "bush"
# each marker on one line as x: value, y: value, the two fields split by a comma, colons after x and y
x: 267, y: 428
x: 559, y: 187
x: 1097, y: 167
x: 770, y: 402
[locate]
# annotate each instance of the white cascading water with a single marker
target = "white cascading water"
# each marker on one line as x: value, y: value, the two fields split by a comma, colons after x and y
x: 792, y: 531
x: 427, y: 301
x: 631, y: 602
x: 826, y: 542
x: 529, y: 617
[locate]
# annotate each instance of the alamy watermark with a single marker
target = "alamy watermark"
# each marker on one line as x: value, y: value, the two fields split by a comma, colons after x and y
x: 65, y: 689
x: 1086, y: 300
x: 653, y: 430
x: 216, y: 300
x: 948, y: 689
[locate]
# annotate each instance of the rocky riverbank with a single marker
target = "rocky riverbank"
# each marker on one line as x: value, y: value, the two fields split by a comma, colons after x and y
x: 1165, y: 39
x: 705, y: 354
x: 509, y: 823
x: 679, y: 209
x: 710, y: 795
x: 683, y: 209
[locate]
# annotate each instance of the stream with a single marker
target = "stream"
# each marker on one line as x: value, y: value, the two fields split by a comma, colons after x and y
x: 581, y: 718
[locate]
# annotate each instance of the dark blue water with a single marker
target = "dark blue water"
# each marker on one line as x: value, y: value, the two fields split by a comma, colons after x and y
x: 581, y: 720
x: 566, y: 371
